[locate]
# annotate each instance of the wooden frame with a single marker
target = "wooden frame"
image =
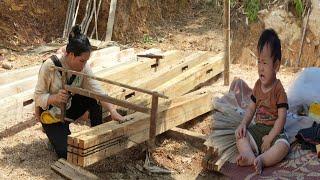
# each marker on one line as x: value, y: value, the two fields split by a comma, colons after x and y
x: 152, y: 111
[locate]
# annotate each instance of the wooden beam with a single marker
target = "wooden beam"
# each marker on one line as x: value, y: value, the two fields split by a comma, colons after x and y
x: 15, y: 75
x: 171, y: 113
x: 12, y: 108
x: 102, y: 54
x: 107, y: 81
x: 155, y: 80
x: 17, y: 87
x: 106, y: 98
x: 16, y: 94
x: 20, y: 74
x: 133, y: 71
x: 24, y: 84
x: 116, y: 58
x: 112, y: 12
x: 71, y: 171
x: 186, y: 81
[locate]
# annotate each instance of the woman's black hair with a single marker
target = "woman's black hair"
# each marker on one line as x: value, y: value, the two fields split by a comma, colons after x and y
x: 270, y: 37
x: 78, y: 42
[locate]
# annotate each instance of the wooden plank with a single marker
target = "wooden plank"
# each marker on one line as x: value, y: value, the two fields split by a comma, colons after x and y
x: 153, y: 117
x: 153, y: 81
x: 196, y: 69
x: 18, y: 86
x: 98, y: 54
x: 115, y: 128
x: 170, y: 114
x: 96, y: 96
x: 103, y: 80
x: 20, y: 74
x: 25, y: 87
x: 30, y: 82
x: 12, y: 108
x: 133, y: 71
x: 112, y: 12
x: 70, y: 171
x: 15, y: 75
x: 186, y: 81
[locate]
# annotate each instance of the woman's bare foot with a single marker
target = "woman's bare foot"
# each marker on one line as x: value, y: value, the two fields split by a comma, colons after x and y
x: 258, y: 165
x: 245, y: 160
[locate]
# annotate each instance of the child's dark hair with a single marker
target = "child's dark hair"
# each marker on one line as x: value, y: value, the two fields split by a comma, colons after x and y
x: 78, y: 42
x: 270, y: 37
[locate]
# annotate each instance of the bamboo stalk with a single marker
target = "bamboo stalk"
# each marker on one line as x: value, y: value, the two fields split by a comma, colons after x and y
x: 76, y: 14
x: 72, y: 13
x: 90, y: 18
x: 302, y: 40
x: 65, y: 30
x: 112, y: 12
x: 227, y: 39
x: 95, y: 29
x: 85, y: 18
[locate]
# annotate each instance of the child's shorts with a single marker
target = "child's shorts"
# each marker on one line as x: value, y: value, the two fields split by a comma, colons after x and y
x: 258, y: 131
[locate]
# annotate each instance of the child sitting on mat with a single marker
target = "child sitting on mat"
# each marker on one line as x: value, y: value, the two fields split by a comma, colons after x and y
x: 264, y: 143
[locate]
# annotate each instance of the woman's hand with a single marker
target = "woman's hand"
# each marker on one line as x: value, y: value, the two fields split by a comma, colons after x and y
x: 62, y: 96
x: 58, y: 99
x: 116, y: 116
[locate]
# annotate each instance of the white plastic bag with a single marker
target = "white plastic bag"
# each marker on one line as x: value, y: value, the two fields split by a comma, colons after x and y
x: 305, y: 89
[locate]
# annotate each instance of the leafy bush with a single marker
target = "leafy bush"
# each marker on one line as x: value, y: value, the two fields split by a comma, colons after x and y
x: 299, y: 7
x: 251, y: 9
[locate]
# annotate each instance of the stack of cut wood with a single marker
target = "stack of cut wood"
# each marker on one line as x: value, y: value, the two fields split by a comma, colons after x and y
x: 176, y: 76
x: 221, y: 142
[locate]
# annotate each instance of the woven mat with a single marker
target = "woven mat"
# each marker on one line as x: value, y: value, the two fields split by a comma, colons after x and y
x: 299, y: 164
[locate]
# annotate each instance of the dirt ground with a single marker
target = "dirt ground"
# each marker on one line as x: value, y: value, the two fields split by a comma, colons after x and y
x: 25, y: 155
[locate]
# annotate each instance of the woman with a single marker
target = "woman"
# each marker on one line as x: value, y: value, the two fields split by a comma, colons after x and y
x: 49, y: 95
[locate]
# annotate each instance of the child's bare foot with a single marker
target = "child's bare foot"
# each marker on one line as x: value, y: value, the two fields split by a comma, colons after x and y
x: 258, y: 165
x: 244, y: 160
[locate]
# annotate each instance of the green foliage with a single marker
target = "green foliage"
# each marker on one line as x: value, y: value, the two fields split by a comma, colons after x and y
x: 233, y: 3
x: 147, y: 39
x: 299, y: 7
x: 251, y: 9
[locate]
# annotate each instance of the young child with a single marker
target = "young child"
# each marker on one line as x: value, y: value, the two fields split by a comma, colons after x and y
x: 264, y: 143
